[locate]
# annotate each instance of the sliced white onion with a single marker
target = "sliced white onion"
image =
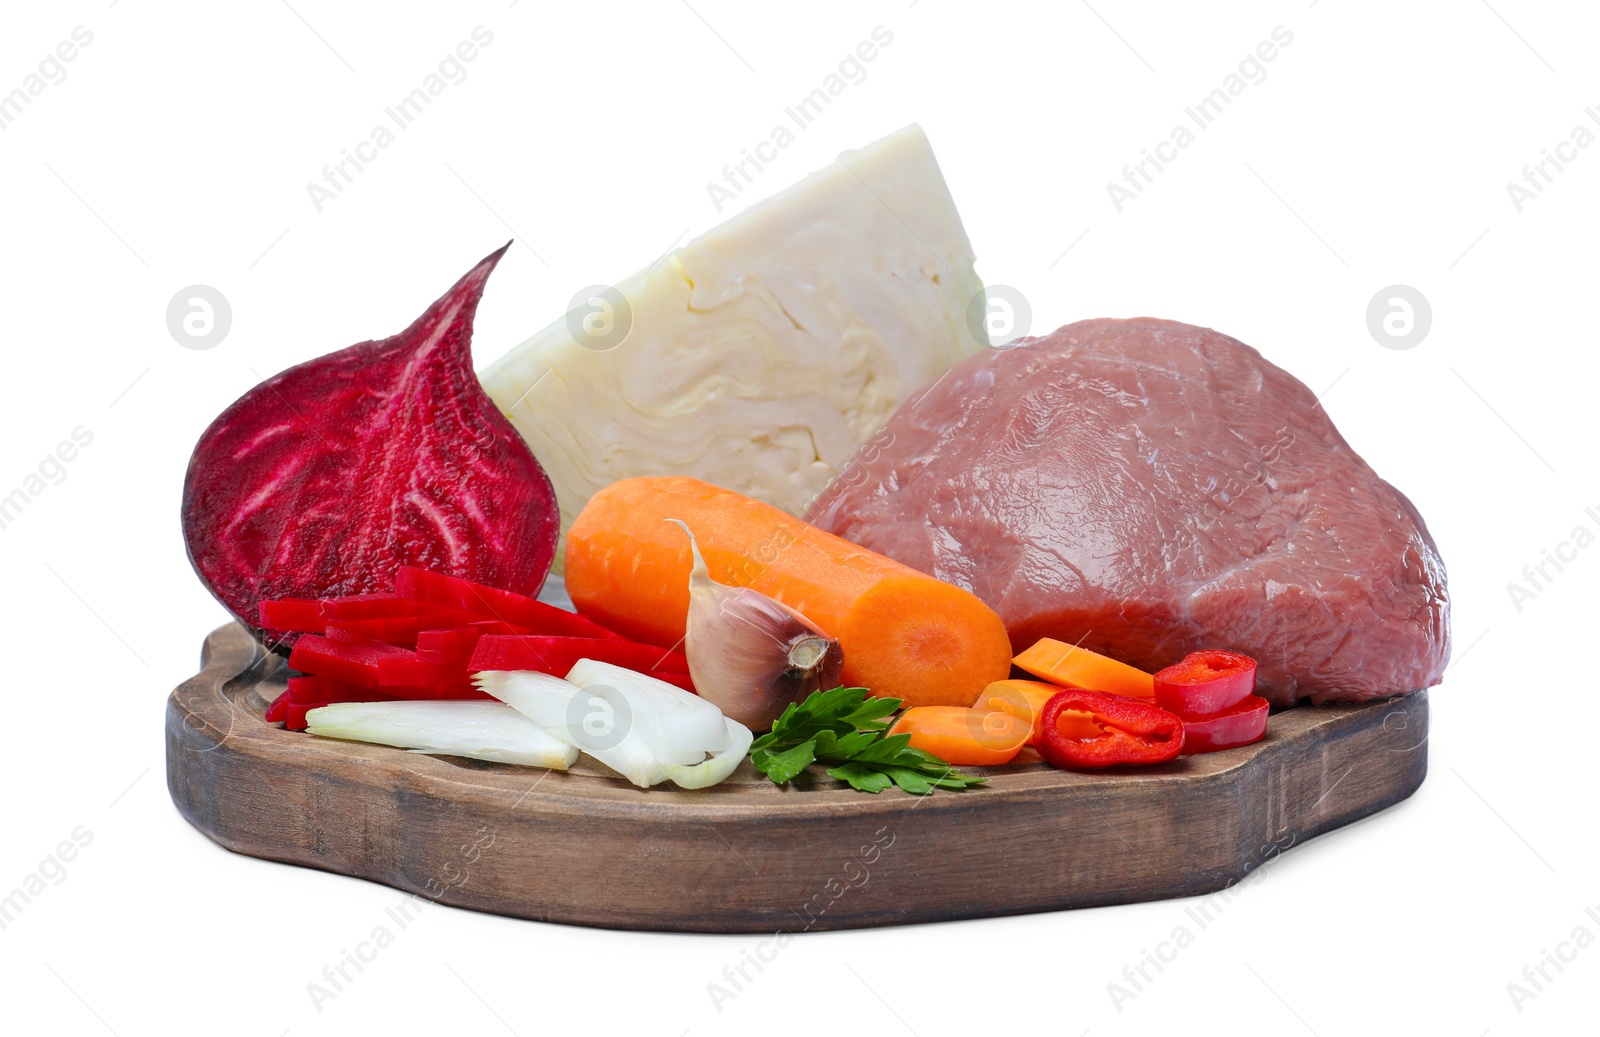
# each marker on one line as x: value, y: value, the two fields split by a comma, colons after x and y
x: 479, y: 730
x: 545, y: 699
x: 644, y: 729
x: 704, y: 775
x: 623, y: 734
x: 678, y: 727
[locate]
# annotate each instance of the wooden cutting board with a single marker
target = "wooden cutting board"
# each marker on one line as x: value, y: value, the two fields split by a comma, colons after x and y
x: 587, y: 848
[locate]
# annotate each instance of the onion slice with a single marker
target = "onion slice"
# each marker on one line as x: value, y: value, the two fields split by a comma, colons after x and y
x: 586, y: 720
x: 545, y: 699
x: 645, y: 729
x: 677, y: 726
x: 719, y: 766
x: 478, y: 730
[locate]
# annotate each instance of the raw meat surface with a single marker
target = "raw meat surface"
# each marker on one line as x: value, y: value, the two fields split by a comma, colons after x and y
x: 1147, y: 489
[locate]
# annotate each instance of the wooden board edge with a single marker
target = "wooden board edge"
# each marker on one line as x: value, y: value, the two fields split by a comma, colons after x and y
x: 230, y: 650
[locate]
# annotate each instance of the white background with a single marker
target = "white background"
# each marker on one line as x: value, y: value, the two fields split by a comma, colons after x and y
x: 1377, y: 151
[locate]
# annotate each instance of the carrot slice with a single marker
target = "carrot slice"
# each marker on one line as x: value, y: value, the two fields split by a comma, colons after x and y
x: 1022, y: 699
x: 1073, y: 667
x: 964, y: 737
x: 904, y: 634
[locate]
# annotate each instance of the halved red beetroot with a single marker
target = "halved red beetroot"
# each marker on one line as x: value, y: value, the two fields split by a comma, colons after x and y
x: 324, y: 480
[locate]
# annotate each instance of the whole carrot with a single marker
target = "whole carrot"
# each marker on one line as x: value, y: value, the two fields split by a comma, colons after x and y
x: 904, y: 634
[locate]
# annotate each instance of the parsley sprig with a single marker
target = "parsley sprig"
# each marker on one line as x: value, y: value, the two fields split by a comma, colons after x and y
x: 847, y: 729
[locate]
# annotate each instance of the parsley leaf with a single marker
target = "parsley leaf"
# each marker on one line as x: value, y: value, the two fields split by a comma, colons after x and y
x: 785, y: 765
x: 847, y: 729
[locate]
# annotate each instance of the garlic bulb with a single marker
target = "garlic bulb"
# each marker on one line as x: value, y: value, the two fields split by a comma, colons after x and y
x: 751, y: 655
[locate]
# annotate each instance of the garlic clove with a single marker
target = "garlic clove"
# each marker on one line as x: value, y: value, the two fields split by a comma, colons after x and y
x: 750, y: 654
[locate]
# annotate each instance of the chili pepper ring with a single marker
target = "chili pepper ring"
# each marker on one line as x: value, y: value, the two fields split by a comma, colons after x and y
x: 1086, y: 730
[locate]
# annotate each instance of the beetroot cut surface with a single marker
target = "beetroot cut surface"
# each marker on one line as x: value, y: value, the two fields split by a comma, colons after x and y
x: 324, y: 480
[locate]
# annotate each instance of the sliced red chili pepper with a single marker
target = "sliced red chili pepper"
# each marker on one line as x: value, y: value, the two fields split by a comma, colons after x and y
x: 558, y: 654
x: 346, y: 661
x: 317, y: 691
x: 276, y: 708
x: 393, y: 630
x: 456, y: 644
x: 307, y: 693
x: 389, y: 606
x: 422, y: 679
x: 677, y: 680
x: 1205, y: 683
x: 292, y: 615
x: 482, y: 602
x: 1087, y: 730
x: 1239, y: 724
x: 294, y: 714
